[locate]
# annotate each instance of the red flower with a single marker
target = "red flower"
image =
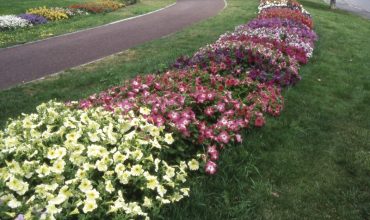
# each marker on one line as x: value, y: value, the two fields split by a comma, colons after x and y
x: 259, y: 122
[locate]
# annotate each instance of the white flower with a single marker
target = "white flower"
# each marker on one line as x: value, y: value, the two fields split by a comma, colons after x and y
x: 89, y: 206
x: 14, y: 203
x: 12, y: 22
x: 168, y: 138
x: 161, y: 190
x: 137, y: 170
x: 58, y: 200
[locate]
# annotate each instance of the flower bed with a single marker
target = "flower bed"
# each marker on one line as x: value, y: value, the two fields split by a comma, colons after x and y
x: 131, y: 147
x: 65, y: 161
x: 41, y: 15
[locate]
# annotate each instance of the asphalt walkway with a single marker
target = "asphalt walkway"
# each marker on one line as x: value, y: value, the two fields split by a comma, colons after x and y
x: 32, y: 61
x: 360, y: 7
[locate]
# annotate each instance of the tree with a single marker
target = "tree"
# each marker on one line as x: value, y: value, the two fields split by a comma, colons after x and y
x: 332, y: 4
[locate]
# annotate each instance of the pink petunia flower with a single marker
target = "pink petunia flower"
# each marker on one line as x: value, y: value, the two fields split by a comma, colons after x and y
x: 211, y: 167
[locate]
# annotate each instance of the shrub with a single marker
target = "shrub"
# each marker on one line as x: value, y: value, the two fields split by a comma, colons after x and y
x: 34, y: 19
x: 130, y: 2
x: 52, y: 14
x: 8, y: 22
x: 60, y: 162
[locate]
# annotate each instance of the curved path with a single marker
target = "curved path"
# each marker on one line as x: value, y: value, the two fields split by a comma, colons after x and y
x: 360, y: 7
x: 32, y: 61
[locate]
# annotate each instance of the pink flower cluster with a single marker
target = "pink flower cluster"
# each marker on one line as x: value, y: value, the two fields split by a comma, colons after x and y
x: 202, y: 108
x: 210, y: 98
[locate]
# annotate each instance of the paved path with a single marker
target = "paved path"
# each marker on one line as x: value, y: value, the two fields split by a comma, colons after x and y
x: 32, y: 61
x: 361, y: 7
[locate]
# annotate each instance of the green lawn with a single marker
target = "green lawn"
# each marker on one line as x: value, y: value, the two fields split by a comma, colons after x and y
x: 20, y: 6
x: 313, y: 162
x: 19, y: 36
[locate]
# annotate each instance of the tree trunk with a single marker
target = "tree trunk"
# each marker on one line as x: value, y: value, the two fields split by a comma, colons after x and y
x: 332, y: 4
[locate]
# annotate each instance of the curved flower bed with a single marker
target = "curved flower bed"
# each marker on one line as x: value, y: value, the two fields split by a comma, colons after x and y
x: 129, y: 150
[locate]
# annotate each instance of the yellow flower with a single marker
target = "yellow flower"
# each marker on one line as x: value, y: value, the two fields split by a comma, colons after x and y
x: 155, y: 143
x: 58, y: 166
x: 18, y: 186
x: 152, y: 182
x: 119, y: 168
x: 118, y: 157
x: 176, y: 197
x: 137, y: 155
x: 101, y: 166
x: 52, y: 210
x: 73, y: 136
x: 89, y: 206
x: 168, y: 138
x: 124, y: 177
x: 147, y: 202
x: 193, y: 164
x: 144, y: 111
x: 92, y: 194
x: 85, y: 185
x: 154, y: 131
x: 185, y: 191
x: 52, y: 154
x: 170, y: 172
x: 137, y: 170
x: 60, y: 152
x: 161, y: 190
x: 58, y: 200
x: 181, y: 177
x: 43, y: 170
x: 93, y: 137
x: 108, y: 186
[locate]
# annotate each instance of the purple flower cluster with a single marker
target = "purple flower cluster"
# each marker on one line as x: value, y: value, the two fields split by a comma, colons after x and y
x: 34, y: 19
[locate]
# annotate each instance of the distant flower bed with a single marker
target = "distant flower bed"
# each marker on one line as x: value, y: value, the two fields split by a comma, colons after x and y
x: 50, y: 14
x: 98, y: 7
x: 129, y: 149
x: 10, y: 22
x: 33, y: 18
x: 43, y: 15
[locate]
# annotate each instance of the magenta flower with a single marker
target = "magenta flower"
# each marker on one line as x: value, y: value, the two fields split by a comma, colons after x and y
x: 223, y: 137
x: 211, y: 167
x: 84, y: 104
x: 209, y: 111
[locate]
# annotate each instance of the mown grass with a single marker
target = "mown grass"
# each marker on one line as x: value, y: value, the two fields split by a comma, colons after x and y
x: 20, y: 6
x: 313, y: 162
x: 19, y: 36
